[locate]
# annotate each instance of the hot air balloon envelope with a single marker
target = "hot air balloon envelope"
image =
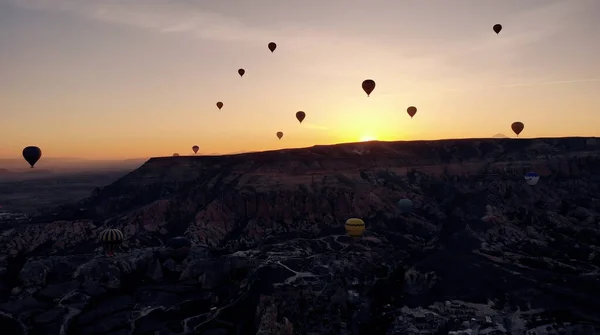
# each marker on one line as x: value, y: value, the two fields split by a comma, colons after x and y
x: 241, y: 72
x: 497, y: 28
x: 405, y: 206
x: 412, y: 110
x: 532, y: 178
x: 355, y: 227
x: 517, y: 127
x: 195, y: 148
x: 272, y: 46
x: 279, y: 134
x: 32, y: 155
x: 219, y: 105
x: 368, y: 86
x: 110, y: 240
x: 300, y: 116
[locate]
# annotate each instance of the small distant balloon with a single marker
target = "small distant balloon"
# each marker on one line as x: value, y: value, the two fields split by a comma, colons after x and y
x: 110, y: 240
x: 195, y: 148
x: 517, y: 127
x: 32, y: 155
x: 175, y: 155
x: 355, y: 227
x: 368, y: 86
x: 241, y: 72
x: 272, y: 46
x: 219, y: 105
x: 412, y: 110
x: 300, y: 116
x: 279, y: 135
x: 405, y: 206
x: 497, y: 28
x: 532, y: 178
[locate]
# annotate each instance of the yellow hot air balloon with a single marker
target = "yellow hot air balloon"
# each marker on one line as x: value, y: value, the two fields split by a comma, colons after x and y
x: 355, y: 227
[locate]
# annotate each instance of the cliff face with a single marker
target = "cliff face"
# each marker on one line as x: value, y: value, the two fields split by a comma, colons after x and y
x: 271, y: 256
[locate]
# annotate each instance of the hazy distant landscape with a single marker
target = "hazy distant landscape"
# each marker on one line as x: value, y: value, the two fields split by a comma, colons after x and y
x: 56, y: 181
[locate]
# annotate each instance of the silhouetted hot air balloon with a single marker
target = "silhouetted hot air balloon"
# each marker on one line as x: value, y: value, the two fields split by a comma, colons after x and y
x: 279, y: 134
x: 412, y: 110
x: 300, y: 116
x: 272, y: 46
x: 355, y: 227
x: 532, y: 178
x: 497, y: 28
x: 111, y: 239
x: 195, y: 148
x: 32, y: 155
x: 368, y: 86
x: 405, y: 206
x: 241, y: 72
x: 175, y: 155
x: 517, y: 127
x: 219, y: 105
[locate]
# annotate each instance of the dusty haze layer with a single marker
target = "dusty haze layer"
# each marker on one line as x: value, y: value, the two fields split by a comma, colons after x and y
x: 481, y: 250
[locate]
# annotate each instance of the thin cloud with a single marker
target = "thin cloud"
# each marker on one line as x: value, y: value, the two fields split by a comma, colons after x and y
x: 170, y: 17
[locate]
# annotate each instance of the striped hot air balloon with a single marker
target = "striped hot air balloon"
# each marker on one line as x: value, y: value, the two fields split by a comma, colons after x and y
x: 111, y: 239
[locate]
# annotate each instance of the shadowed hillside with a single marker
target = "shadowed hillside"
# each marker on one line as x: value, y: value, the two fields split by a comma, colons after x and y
x: 482, y: 250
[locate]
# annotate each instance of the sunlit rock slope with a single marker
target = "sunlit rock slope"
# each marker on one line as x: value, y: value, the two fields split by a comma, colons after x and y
x: 482, y: 250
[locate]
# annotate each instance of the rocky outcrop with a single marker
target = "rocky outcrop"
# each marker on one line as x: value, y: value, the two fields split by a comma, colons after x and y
x: 482, y: 251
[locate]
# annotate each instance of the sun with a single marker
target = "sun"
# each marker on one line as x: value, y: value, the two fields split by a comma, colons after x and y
x: 367, y: 138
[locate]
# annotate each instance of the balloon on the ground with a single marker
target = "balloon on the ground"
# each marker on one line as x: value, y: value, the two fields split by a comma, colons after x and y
x: 195, y: 148
x: 110, y: 240
x: 517, y: 127
x: 412, y: 110
x: 300, y: 116
x: 279, y: 135
x: 32, y: 155
x: 241, y: 72
x: 272, y: 46
x: 175, y: 155
x: 368, y: 86
x: 532, y: 178
x: 219, y: 105
x: 405, y: 206
x: 355, y: 227
x: 497, y: 28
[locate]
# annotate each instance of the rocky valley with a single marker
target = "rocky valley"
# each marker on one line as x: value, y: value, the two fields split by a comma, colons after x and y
x: 482, y: 252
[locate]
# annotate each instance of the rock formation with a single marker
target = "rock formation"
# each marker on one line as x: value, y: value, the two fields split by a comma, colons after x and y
x: 482, y: 251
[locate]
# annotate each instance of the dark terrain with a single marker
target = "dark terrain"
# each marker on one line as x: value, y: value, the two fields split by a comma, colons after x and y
x: 481, y: 253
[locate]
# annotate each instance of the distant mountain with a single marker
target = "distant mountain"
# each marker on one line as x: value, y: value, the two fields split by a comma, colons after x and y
x: 482, y: 251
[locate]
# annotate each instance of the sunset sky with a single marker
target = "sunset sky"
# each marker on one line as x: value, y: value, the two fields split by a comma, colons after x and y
x: 112, y: 79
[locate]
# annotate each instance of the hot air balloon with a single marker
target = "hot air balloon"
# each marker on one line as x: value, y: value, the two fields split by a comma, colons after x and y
x: 300, y: 116
x: 111, y: 239
x: 32, y: 155
x: 355, y: 227
x: 175, y: 155
x: 405, y: 206
x: 195, y: 148
x: 368, y: 86
x: 219, y: 105
x: 497, y: 28
x: 241, y: 72
x: 412, y: 110
x: 279, y: 134
x: 532, y: 178
x: 272, y: 46
x: 517, y: 127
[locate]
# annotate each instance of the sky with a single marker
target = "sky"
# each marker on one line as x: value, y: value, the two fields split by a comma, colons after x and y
x: 117, y: 79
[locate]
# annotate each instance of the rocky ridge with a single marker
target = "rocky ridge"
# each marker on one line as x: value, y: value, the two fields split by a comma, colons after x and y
x: 482, y: 252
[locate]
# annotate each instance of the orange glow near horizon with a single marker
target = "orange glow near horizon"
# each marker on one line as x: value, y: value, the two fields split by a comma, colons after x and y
x: 142, y: 80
